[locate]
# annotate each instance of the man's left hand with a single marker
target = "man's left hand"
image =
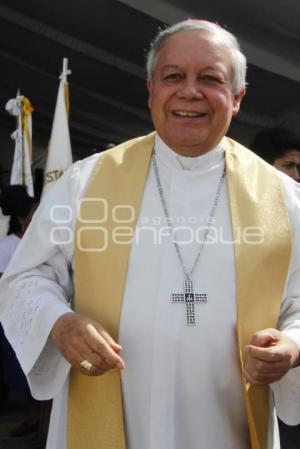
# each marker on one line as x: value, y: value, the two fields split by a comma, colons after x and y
x: 270, y: 355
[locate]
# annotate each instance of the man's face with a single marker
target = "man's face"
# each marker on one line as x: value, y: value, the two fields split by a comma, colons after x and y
x: 190, y: 94
x: 289, y: 164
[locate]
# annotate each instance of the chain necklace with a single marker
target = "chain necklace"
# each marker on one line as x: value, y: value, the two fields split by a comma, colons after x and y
x: 181, y: 164
x: 188, y: 297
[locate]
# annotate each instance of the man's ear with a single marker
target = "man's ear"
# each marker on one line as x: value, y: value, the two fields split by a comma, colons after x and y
x: 149, y: 88
x: 237, y: 99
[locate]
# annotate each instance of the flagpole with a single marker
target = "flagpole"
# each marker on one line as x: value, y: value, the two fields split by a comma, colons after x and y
x: 20, y: 132
x: 65, y: 71
x: 63, y: 77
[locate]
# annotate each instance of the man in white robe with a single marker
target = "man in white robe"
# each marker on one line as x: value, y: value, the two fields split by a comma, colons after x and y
x: 181, y: 384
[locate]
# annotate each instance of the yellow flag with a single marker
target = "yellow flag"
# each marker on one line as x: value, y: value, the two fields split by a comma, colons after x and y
x: 21, y: 108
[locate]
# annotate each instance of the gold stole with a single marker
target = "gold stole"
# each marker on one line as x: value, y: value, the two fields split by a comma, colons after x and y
x: 95, y: 412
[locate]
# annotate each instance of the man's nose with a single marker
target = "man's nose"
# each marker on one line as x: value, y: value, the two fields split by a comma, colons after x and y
x: 190, y: 89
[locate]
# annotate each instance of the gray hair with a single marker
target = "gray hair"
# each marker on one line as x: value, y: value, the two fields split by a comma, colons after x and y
x: 238, y: 59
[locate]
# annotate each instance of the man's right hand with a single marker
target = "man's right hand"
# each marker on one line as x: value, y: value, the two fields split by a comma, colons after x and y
x: 81, y: 339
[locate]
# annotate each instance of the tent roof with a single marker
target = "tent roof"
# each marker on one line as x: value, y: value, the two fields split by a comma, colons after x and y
x: 105, y: 42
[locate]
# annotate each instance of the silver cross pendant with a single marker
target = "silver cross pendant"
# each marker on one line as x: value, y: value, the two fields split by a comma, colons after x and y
x: 189, y: 298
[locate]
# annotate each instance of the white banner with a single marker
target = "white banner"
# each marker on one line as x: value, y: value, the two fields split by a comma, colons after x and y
x: 59, y: 150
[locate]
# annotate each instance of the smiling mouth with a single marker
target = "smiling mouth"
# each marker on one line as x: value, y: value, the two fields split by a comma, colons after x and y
x: 189, y: 114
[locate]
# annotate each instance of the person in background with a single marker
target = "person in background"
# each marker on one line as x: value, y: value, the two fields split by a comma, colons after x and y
x: 16, y: 203
x: 280, y: 148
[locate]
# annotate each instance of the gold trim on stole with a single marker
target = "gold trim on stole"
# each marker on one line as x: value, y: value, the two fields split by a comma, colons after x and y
x: 95, y: 415
x: 95, y: 412
x: 256, y: 200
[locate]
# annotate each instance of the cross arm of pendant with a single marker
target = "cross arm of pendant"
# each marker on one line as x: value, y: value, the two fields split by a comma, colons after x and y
x: 178, y: 297
x: 200, y: 297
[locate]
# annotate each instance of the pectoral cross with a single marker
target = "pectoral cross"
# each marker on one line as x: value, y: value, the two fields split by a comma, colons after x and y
x: 190, y: 298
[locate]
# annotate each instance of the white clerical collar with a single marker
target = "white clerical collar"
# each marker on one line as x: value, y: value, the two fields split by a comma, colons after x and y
x: 176, y: 161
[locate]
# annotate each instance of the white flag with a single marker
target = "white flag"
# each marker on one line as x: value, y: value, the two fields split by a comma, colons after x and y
x: 21, y: 108
x: 59, y: 150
